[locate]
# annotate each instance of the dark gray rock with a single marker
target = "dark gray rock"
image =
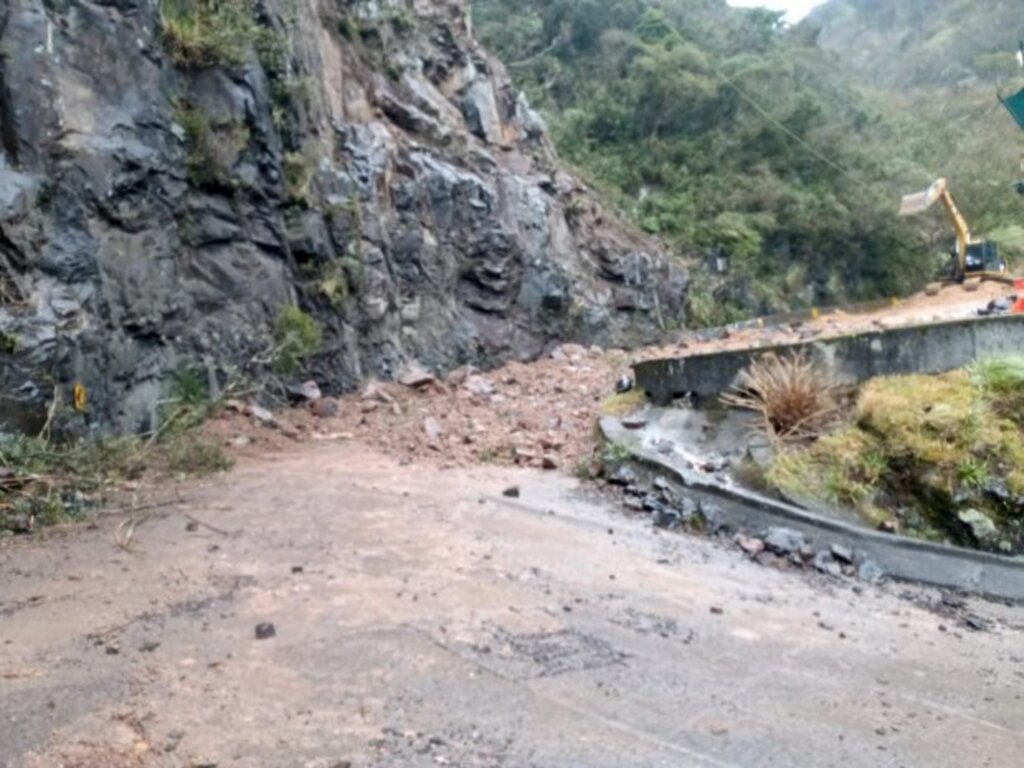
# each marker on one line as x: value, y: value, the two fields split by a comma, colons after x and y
x: 623, y: 475
x: 784, y: 541
x: 826, y: 563
x: 669, y: 519
x: 842, y: 554
x: 711, y: 517
x: 975, y: 623
x: 265, y: 630
x: 417, y: 216
x: 870, y: 572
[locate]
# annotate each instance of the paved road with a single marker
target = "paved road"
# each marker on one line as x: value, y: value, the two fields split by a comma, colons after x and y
x: 422, y: 619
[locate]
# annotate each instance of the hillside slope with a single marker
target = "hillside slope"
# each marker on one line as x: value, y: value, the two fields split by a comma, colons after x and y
x: 935, y: 67
x: 173, y: 177
x: 738, y: 138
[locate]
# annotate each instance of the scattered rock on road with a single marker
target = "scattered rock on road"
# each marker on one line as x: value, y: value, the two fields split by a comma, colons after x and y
x: 752, y: 546
x: 870, y: 572
x: 784, y: 541
x: 265, y: 630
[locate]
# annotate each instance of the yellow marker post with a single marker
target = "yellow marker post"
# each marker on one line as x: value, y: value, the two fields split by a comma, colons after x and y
x: 815, y: 313
x: 78, y: 397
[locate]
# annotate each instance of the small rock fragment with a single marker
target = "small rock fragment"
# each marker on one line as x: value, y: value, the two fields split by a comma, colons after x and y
x: 265, y: 630
x: 478, y: 385
x: 975, y: 623
x: 623, y: 475
x: 433, y: 431
x: 784, y: 541
x: 982, y: 528
x: 306, y: 392
x: 416, y: 377
x: 750, y: 545
x: 826, y: 563
x: 262, y: 416
x: 669, y: 519
x: 870, y: 572
x: 324, y: 408
x: 842, y: 554
x: 522, y: 456
x: 512, y: 492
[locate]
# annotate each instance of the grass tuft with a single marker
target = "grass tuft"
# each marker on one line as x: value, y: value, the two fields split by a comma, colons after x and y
x: 198, y: 34
x: 623, y: 404
x: 297, y: 337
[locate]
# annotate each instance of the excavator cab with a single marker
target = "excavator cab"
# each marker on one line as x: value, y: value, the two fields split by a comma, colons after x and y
x: 983, y: 256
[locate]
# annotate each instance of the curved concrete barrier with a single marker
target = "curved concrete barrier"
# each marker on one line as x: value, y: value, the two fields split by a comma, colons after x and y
x: 935, y: 348
x: 901, y: 557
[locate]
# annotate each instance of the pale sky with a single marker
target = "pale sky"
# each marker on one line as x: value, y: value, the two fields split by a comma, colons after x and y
x: 795, y: 9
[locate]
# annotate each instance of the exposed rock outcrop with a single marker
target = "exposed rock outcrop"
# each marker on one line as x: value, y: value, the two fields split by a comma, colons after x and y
x: 362, y: 158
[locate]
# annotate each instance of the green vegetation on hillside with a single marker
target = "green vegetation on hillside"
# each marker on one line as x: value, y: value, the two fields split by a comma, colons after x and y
x: 934, y: 68
x: 732, y: 134
x: 944, y: 454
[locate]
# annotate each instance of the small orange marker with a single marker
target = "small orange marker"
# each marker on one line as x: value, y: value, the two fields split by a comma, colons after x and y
x: 78, y: 397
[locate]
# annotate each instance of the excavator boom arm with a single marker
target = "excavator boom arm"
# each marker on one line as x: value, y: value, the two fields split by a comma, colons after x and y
x: 963, y: 232
x: 939, y: 193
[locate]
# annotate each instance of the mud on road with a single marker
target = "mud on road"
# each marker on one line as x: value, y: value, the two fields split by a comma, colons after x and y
x: 421, y: 618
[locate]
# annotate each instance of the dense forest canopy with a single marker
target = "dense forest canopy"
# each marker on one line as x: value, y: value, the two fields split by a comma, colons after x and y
x: 735, y: 135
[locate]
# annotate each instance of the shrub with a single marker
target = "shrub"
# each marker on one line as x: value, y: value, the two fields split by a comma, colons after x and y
x: 207, y: 33
x: 213, y: 147
x: 298, y: 174
x: 188, y: 405
x: 297, y: 337
x: 795, y: 398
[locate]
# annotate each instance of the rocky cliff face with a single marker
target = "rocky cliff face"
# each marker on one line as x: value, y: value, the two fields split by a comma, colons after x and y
x: 161, y: 202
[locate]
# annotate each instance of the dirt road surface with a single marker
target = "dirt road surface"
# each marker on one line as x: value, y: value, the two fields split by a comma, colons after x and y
x: 422, y: 618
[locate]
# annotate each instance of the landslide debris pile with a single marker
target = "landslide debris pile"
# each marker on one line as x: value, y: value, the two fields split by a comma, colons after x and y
x: 939, y: 457
x: 175, y: 175
x: 539, y: 414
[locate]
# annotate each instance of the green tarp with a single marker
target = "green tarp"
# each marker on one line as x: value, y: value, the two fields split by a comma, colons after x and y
x: 1015, y: 104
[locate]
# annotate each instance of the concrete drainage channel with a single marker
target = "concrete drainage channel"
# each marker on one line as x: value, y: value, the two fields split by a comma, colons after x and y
x: 832, y: 541
x: 853, y: 359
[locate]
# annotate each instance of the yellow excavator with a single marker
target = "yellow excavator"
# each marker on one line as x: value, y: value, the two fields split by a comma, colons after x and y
x: 971, y: 257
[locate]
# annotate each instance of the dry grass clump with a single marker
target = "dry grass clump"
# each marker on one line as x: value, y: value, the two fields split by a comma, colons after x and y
x: 797, y: 399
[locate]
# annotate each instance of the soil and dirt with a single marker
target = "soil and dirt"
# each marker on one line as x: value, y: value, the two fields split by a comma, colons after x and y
x: 421, y: 619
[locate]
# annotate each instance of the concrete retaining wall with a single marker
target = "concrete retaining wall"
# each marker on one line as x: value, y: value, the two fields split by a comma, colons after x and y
x: 901, y: 557
x: 852, y: 359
